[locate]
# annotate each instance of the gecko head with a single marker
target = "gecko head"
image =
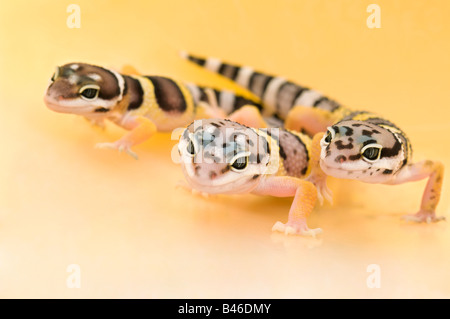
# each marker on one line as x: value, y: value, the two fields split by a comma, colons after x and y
x: 221, y: 156
x: 361, y: 150
x: 84, y: 89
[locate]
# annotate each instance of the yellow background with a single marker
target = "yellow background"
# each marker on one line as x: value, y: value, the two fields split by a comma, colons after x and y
x: 124, y: 223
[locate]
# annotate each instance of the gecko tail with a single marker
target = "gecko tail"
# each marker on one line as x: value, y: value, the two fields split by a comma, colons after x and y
x: 238, y: 74
x: 227, y: 100
x: 277, y: 94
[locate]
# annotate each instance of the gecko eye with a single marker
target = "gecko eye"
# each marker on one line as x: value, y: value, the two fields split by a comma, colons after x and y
x: 89, y: 92
x: 190, y: 148
x: 330, y: 135
x: 371, y: 152
x: 240, y: 162
x: 328, y: 138
x: 55, y: 75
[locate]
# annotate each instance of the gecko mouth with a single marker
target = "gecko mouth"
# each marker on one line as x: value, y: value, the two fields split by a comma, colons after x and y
x: 326, y: 167
x: 224, y: 186
x: 57, y: 107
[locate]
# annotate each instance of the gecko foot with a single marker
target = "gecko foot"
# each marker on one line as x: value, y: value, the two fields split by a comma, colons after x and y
x: 299, y: 228
x: 120, y: 146
x: 184, y: 186
x: 423, y: 217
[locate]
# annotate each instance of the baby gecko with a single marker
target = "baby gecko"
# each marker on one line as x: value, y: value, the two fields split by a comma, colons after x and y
x: 140, y: 104
x: 358, y: 145
x: 365, y: 147
x: 224, y: 157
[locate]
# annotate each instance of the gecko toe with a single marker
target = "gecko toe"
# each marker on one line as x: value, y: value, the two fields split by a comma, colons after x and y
x: 296, y: 229
x: 279, y: 226
x: 105, y: 146
x: 423, y: 217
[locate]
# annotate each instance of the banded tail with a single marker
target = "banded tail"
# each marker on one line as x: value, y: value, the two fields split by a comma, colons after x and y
x: 277, y: 94
x: 226, y: 100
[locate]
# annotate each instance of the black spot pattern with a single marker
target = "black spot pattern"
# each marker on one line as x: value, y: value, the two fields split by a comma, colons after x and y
x: 354, y: 157
x: 370, y: 133
x: 348, y: 130
x: 341, y: 146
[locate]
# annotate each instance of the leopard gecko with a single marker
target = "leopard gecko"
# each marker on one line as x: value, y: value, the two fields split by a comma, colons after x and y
x: 224, y: 157
x: 358, y: 145
x: 140, y: 104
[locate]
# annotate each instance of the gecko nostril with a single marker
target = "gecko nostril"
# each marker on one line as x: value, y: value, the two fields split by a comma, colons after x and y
x: 212, y: 175
x: 340, y: 159
x: 196, y: 169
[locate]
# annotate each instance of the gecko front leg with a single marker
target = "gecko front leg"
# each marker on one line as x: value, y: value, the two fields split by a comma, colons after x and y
x: 141, y: 129
x: 434, y: 170
x: 96, y: 122
x: 317, y: 176
x: 305, y: 196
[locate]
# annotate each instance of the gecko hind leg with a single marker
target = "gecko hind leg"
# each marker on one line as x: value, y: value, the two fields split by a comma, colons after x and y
x: 129, y: 70
x: 211, y: 108
x: 308, y: 120
x: 248, y: 115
